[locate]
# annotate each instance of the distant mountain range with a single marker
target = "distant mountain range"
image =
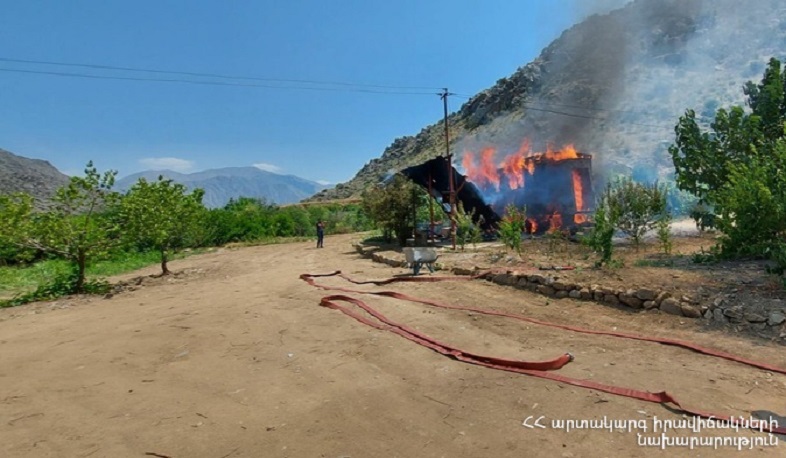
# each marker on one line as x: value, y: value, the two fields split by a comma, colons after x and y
x: 36, y: 177
x: 41, y: 179
x: 223, y: 184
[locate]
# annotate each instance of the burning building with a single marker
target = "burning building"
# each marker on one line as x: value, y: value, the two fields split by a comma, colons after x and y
x: 554, y: 186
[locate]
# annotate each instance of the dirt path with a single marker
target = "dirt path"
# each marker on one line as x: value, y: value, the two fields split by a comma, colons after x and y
x: 235, y: 359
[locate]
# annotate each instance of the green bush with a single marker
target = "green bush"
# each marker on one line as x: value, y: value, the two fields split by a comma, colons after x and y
x: 602, y: 234
x: 636, y: 207
x: 511, y: 226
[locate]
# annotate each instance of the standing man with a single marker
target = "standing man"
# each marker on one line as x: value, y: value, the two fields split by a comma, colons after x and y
x: 320, y: 233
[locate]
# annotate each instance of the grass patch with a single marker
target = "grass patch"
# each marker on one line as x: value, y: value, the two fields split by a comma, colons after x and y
x: 17, y: 280
x: 23, y: 279
x: 654, y: 263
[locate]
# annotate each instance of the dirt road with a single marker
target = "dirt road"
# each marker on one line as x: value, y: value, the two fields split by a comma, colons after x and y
x: 235, y: 358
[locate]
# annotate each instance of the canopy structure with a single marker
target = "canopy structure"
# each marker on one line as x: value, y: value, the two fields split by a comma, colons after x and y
x: 434, y: 176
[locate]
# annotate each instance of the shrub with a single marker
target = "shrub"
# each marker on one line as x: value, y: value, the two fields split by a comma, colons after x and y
x: 511, y: 227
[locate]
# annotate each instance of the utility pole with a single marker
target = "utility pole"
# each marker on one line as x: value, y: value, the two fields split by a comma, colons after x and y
x: 444, y: 95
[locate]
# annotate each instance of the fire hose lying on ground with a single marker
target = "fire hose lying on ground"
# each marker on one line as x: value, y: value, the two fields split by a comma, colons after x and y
x: 541, y: 369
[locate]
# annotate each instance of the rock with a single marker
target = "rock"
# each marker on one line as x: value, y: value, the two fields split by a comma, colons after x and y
x: 575, y: 294
x: 545, y: 289
x: 523, y: 283
x: 649, y: 305
x: 505, y: 279
x: 606, y: 290
x: 759, y: 326
x: 690, y: 311
x: 707, y: 315
x: 646, y: 294
x: 611, y: 299
x: 597, y: 295
x: 663, y: 295
x: 689, y: 300
x: 537, y: 278
x: 461, y: 271
x: 718, y: 316
x: 561, y: 286
x: 717, y: 302
x: 734, y: 313
x: 585, y: 294
x: 561, y: 294
x: 671, y: 306
x: 776, y: 318
x: 754, y: 317
x: 108, y: 296
x: 631, y: 301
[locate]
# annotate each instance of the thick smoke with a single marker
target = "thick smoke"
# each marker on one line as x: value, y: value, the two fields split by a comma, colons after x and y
x: 621, y: 79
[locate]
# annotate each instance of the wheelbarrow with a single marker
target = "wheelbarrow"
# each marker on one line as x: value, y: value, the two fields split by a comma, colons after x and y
x: 417, y: 257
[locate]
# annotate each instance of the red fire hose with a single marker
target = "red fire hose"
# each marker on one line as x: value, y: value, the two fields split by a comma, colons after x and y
x: 537, y: 369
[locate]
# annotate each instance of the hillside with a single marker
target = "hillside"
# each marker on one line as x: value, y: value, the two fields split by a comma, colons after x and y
x: 33, y: 176
x: 220, y: 185
x: 612, y: 85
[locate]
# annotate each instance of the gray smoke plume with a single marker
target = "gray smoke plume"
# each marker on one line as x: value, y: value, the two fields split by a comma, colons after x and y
x: 616, y: 84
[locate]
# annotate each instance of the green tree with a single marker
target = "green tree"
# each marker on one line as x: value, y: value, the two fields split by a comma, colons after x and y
x: 394, y: 207
x: 466, y: 230
x: 738, y: 169
x: 161, y: 215
x: 80, y: 224
x: 636, y: 207
x: 703, y: 159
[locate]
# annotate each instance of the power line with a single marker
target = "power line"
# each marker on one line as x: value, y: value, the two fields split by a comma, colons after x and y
x: 581, y: 107
x: 211, y: 83
x: 575, y: 115
x: 211, y: 75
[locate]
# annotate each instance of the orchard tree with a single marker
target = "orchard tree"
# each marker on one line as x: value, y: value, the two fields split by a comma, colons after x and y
x: 739, y: 168
x: 161, y: 215
x: 394, y: 207
x: 79, y: 225
x: 635, y: 207
x: 703, y: 159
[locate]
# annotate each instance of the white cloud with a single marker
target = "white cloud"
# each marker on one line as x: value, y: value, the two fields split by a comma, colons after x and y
x: 268, y: 167
x: 324, y: 182
x: 167, y: 163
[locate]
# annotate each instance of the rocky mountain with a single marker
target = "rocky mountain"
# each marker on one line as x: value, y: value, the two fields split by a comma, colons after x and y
x: 220, y: 185
x: 613, y: 85
x: 36, y: 177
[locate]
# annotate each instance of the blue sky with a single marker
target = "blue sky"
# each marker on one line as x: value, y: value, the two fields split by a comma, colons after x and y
x: 319, y: 135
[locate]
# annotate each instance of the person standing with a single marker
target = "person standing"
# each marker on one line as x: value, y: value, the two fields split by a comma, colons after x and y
x: 320, y: 233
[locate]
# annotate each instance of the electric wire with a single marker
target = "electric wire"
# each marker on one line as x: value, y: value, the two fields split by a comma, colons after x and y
x: 210, y: 83
x: 529, y: 106
x: 211, y: 75
x: 314, y: 85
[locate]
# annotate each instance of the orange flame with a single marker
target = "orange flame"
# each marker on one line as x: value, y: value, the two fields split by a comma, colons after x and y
x: 487, y: 168
x: 578, y: 190
x: 513, y: 167
x: 531, y: 226
x: 579, y: 218
x: 555, y: 222
x: 486, y: 172
x: 468, y: 162
x: 567, y: 152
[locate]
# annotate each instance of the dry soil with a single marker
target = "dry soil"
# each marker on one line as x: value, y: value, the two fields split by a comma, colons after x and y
x: 235, y: 358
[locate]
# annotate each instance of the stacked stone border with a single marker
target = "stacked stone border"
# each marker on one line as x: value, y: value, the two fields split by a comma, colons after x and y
x: 633, y: 298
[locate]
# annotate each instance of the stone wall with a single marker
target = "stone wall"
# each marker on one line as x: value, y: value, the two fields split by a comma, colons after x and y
x: 719, y: 311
